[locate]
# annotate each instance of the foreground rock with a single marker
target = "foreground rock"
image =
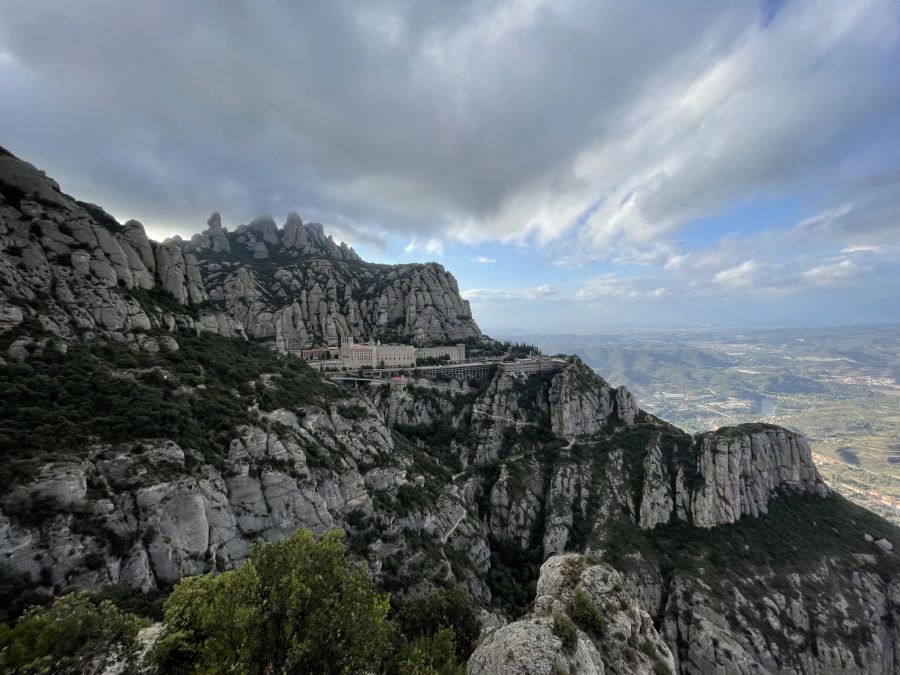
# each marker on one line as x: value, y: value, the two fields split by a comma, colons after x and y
x: 584, y: 621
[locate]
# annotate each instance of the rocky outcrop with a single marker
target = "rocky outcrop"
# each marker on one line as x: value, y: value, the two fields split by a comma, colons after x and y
x: 750, y: 626
x: 66, y: 267
x: 147, y: 512
x: 294, y: 235
x: 657, y: 505
x: 743, y: 467
x: 72, y: 268
x: 169, y: 522
x: 214, y: 239
x: 318, y: 301
x: 179, y: 274
x: 584, y: 621
x: 139, y: 252
x: 531, y: 647
x: 582, y: 403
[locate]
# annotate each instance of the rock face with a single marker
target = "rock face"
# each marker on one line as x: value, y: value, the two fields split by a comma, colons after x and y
x: 574, y: 588
x: 308, y: 299
x: 743, y: 468
x: 72, y: 268
x: 530, y: 647
x: 748, y: 626
x: 314, y: 291
x: 171, y: 522
x: 67, y: 268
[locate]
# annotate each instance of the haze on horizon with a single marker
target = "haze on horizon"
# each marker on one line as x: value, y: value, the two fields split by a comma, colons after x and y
x: 576, y: 165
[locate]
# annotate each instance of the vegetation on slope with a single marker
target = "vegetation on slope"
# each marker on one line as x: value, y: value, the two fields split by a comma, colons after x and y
x: 297, y: 605
x: 72, y: 636
x: 54, y: 405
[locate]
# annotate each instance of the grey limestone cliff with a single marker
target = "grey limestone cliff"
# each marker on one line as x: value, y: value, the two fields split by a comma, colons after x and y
x: 72, y: 268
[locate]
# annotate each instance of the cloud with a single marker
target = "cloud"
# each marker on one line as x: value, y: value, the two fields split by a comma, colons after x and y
x: 675, y: 260
x: 831, y: 274
x: 432, y: 247
x: 861, y: 248
x: 611, y: 286
x: 609, y: 123
x: 739, y: 276
x: 824, y: 220
x: 606, y: 137
x: 484, y: 295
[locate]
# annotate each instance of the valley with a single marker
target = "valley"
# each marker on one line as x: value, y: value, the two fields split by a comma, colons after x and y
x: 838, y: 386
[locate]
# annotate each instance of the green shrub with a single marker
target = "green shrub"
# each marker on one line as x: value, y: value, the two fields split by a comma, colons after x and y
x: 572, y: 569
x: 661, y: 668
x: 294, y: 606
x: 450, y: 608
x: 147, y: 604
x: 433, y: 655
x: 352, y: 412
x: 587, y: 615
x: 55, y: 404
x: 67, y: 637
x: 565, y: 630
x: 17, y: 593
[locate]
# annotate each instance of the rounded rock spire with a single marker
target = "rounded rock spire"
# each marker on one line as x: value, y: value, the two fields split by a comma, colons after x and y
x: 215, y: 221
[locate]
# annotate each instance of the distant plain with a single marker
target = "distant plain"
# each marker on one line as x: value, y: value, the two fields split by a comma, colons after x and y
x: 838, y: 386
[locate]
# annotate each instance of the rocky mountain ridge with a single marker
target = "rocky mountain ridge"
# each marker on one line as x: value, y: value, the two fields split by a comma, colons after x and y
x: 69, y: 269
x: 145, y: 438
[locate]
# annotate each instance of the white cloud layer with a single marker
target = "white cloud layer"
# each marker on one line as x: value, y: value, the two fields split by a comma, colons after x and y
x: 612, y: 286
x: 500, y: 120
x: 487, y: 295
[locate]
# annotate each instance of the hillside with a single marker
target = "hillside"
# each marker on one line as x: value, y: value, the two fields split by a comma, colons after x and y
x: 151, y: 428
x: 835, y: 385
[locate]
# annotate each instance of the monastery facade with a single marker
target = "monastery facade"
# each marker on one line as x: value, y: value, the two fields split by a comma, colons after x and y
x: 376, y: 355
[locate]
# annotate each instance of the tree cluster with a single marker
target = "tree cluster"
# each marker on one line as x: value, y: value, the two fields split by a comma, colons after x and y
x: 295, y: 606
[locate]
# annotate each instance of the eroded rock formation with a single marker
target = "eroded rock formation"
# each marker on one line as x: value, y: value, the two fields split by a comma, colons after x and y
x: 71, y: 267
x: 721, y: 552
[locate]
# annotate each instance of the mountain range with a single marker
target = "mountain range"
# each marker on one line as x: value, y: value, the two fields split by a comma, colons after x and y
x: 155, y: 423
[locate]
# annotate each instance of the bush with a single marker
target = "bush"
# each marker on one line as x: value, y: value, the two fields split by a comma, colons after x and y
x: 451, y: 608
x: 147, y: 604
x: 434, y: 655
x: 294, y: 606
x: 68, y: 637
x: 17, y: 593
x: 587, y: 615
x: 648, y: 648
x: 565, y: 630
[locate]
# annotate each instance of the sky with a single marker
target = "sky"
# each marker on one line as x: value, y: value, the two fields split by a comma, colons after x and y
x: 576, y: 165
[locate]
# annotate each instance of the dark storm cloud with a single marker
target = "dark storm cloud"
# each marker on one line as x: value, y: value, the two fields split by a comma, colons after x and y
x: 470, y: 119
